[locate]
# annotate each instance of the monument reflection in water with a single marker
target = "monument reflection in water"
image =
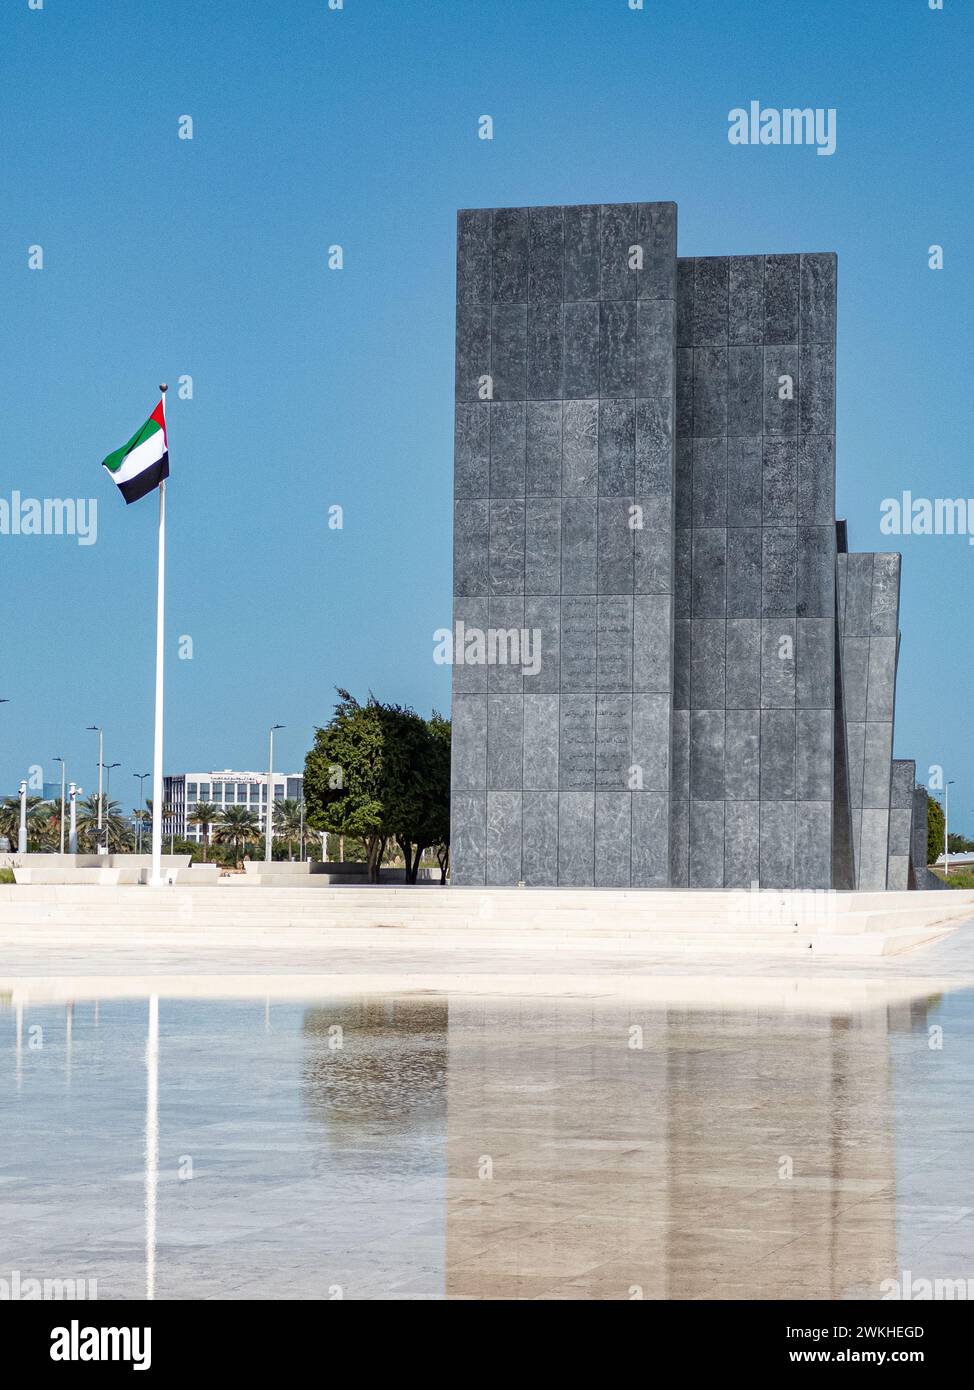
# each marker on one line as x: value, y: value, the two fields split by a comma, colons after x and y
x: 669, y: 1155
x: 473, y: 1148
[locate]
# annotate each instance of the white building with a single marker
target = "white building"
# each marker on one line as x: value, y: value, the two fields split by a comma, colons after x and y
x: 227, y: 788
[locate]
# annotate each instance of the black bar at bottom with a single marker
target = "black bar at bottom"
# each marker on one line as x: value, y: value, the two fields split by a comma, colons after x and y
x: 167, y: 1339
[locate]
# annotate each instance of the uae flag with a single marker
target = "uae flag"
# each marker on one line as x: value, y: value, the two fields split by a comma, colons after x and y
x: 141, y: 465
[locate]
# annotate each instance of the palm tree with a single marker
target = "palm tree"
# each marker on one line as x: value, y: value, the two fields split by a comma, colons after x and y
x: 166, y: 816
x: 288, y: 820
x: 204, y: 814
x: 116, y: 830
x: 142, y: 818
x: 38, y: 816
x: 44, y: 829
x: 237, y: 826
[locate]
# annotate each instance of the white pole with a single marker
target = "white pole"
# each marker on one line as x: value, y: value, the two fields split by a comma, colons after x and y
x: 22, y: 832
x: 101, y: 764
x: 19, y: 1046
x: 62, y: 806
x: 269, y: 824
x: 158, y: 794
x: 73, y: 841
x: 946, y: 808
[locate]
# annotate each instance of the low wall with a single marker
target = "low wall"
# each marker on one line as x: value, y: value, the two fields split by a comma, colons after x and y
x: 91, y: 861
x: 108, y: 869
x: 193, y: 874
x: 67, y: 874
x: 344, y: 871
x: 296, y: 868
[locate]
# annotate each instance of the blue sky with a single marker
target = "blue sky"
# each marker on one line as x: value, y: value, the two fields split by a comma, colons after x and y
x: 165, y: 257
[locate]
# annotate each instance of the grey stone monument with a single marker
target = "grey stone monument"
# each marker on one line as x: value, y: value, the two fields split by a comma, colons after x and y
x: 667, y: 669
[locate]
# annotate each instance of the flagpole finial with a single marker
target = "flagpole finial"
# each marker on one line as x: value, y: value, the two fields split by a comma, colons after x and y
x: 163, y: 387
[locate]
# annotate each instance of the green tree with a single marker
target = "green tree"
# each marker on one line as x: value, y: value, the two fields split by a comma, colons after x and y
x: 935, y: 830
x: 44, y: 832
x: 380, y: 774
x: 204, y: 814
x: 167, y: 815
x: 355, y: 773
x: 409, y: 808
x: 423, y: 814
x: 116, y: 829
x: 142, y: 818
x: 288, y: 822
x: 440, y: 731
x: 237, y: 826
x: 39, y: 813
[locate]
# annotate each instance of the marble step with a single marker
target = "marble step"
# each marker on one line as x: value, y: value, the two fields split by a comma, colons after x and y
x: 195, y: 914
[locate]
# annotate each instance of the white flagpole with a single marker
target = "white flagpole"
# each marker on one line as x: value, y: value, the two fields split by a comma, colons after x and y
x: 158, y: 791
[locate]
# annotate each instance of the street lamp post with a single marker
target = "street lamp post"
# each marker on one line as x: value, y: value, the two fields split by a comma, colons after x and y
x: 269, y: 827
x: 73, y: 840
x: 4, y: 702
x: 22, y: 833
x: 141, y: 776
x: 108, y: 791
x: 96, y: 729
x: 61, y: 761
x: 946, y: 801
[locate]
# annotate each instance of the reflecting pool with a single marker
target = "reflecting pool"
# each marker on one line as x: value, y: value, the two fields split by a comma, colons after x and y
x: 425, y: 1146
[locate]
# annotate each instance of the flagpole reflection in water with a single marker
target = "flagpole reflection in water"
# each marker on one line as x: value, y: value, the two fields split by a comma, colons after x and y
x: 151, y: 1144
